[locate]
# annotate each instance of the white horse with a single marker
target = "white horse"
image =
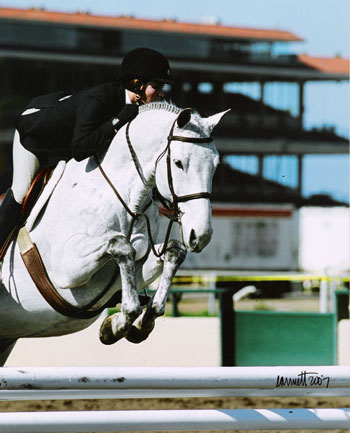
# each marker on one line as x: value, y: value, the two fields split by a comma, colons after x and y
x: 93, y: 235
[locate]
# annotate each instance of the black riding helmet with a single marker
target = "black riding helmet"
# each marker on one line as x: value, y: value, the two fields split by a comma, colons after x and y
x: 144, y: 64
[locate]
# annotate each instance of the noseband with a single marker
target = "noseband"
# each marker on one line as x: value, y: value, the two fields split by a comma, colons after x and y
x: 174, y: 205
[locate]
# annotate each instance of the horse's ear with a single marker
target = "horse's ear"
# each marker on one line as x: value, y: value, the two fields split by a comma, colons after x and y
x: 184, y: 117
x: 215, y: 119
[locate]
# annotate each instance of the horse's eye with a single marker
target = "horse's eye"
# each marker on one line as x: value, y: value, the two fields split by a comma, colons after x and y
x: 178, y: 163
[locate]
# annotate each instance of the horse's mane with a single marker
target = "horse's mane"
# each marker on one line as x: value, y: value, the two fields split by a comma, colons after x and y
x: 194, y: 125
x: 162, y: 105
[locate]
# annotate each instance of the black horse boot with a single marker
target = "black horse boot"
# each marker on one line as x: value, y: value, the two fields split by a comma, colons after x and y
x: 10, y: 212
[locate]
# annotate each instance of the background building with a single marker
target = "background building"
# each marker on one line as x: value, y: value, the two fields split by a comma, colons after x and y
x: 216, y: 67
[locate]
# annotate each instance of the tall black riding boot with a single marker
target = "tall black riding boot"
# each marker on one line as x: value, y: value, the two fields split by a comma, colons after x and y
x: 10, y: 212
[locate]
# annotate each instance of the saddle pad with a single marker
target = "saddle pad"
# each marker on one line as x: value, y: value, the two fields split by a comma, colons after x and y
x: 46, y: 194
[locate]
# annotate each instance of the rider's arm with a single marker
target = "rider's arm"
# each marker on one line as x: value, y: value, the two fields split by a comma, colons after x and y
x: 92, y: 132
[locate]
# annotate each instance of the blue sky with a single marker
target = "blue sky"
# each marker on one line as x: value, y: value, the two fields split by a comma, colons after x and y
x: 323, y: 24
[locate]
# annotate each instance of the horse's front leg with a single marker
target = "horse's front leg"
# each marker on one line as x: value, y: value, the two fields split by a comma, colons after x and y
x: 173, y: 257
x: 117, y: 326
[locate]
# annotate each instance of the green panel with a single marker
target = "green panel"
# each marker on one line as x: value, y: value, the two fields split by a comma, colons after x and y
x: 283, y: 338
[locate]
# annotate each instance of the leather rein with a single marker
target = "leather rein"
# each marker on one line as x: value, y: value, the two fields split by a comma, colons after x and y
x: 174, y: 205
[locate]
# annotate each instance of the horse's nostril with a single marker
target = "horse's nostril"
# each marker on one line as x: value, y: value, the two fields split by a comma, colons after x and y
x: 193, y: 240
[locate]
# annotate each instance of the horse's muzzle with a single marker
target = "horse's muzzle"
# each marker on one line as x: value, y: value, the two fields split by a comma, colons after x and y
x: 197, y: 243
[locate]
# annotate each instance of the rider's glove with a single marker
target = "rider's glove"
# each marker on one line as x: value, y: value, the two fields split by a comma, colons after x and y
x: 128, y: 113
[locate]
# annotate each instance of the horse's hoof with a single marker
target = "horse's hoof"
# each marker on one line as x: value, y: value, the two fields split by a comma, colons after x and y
x: 106, y: 333
x: 140, y: 330
x: 136, y: 336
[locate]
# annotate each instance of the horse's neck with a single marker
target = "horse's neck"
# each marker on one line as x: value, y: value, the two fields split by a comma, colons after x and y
x: 148, y: 143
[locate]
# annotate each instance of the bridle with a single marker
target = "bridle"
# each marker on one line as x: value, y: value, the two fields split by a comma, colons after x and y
x: 175, y: 216
x: 183, y: 198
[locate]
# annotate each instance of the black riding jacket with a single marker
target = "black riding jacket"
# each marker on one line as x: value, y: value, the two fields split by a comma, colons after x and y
x: 76, y: 127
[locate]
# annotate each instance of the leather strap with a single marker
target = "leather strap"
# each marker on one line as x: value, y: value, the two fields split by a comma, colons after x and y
x: 35, y: 266
x: 188, y: 197
x: 130, y: 212
x: 35, y: 190
x: 6, y: 244
x: 29, y: 201
x: 190, y: 139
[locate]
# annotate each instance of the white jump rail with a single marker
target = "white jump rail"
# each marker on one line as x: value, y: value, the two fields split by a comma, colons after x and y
x: 179, y: 420
x: 103, y: 382
x: 30, y: 383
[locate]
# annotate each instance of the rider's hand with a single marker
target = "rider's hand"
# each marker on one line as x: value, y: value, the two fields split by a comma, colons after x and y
x: 128, y: 113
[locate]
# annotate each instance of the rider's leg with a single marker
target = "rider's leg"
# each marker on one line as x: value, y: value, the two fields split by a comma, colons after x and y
x: 10, y: 212
x: 25, y: 166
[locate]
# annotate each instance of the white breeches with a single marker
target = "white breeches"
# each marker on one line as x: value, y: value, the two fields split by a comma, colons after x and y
x: 25, y: 167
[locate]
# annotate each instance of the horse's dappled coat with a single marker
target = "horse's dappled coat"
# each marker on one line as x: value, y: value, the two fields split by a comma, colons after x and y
x: 82, y: 234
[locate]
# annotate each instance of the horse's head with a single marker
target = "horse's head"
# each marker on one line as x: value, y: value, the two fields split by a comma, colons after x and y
x: 184, y: 175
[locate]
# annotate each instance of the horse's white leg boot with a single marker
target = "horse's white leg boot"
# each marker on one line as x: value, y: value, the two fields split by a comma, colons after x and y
x: 174, y: 255
x: 117, y: 326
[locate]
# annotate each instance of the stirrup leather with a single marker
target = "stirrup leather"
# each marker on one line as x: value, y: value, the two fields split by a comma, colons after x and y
x: 29, y: 201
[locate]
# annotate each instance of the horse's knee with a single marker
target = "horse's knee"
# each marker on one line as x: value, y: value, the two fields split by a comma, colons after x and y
x: 121, y: 249
x: 175, y: 252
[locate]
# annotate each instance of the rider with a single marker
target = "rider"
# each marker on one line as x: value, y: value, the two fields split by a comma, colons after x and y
x: 60, y: 126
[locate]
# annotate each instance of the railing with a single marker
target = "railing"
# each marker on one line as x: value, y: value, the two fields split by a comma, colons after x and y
x: 139, y: 382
